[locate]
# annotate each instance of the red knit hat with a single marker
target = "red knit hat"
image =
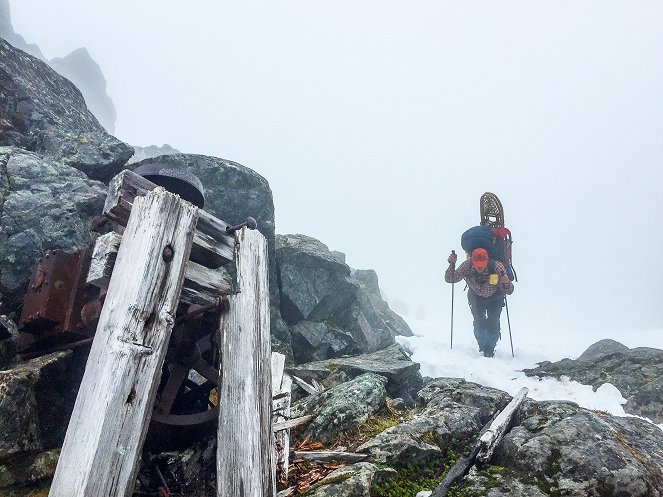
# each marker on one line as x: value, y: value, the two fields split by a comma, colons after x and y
x: 479, y: 258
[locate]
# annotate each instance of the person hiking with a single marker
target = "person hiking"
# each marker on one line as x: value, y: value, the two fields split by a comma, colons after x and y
x: 487, y: 283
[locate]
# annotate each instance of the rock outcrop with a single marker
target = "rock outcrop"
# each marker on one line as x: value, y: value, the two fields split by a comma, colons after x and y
x: 553, y: 449
x: 44, y: 205
x: 331, y: 312
x: 402, y: 375
x: 43, y: 112
x: 78, y: 67
x: 637, y: 373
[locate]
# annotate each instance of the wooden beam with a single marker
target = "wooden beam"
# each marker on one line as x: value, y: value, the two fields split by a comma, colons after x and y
x: 245, y: 448
x: 212, y: 246
x: 482, y: 449
x: 306, y: 386
x: 107, y: 428
x: 329, y: 456
x: 201, y: 285
x: 291, y: 423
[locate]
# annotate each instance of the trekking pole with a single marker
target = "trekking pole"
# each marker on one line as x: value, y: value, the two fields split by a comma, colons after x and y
x: 452, y: 302
x: 506, y: 304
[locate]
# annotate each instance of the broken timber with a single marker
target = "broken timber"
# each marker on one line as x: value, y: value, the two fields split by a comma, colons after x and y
x: 212, y: 246
x: 483, y: 449
x: 245, y: 450
x: 201, y: 285
x: 102, y: 447
x: 281, y: 396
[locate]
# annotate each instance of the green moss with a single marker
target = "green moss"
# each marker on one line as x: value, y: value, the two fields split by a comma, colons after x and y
x: 418, y: 476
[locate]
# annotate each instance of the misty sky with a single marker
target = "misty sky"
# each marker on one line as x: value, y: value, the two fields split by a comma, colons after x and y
x: 379, y: 124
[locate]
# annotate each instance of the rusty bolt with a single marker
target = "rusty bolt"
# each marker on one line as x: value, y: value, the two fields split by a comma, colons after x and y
x: 168, y: 253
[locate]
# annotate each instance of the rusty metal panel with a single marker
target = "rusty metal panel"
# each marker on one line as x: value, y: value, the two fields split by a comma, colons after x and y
x: 53, y: 300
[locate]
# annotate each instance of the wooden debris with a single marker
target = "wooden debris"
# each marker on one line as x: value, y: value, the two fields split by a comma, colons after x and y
x: 201, y: 285
x: 292, y: 423
x: 102, y: 447
x: 245, y: 450
x: 306, y: 386
x: 212, y: 246
x: 331, y: 456
x: 489, y: 438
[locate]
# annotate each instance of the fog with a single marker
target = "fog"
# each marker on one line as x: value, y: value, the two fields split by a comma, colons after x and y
x: 379, y: 125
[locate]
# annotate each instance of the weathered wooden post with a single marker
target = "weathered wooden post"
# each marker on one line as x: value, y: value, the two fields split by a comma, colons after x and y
x: 103, y: 443
x: 245, y: 453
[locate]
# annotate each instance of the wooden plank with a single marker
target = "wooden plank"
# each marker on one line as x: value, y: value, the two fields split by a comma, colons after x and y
x: 291, y: 423
x: 329, y: 456
x: 490, y: 436
x: 278, y: 366
x: 282, y: 417
x: 201, y: 285
x: 103, y: 259
x: 102, y: 447
x: 212, y: 246
x: 306, y: 386
x: 245, y: 453
x: 500, y: 425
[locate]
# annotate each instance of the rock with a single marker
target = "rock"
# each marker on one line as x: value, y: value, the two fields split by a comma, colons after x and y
x: 637, y: 373
x: 44, y: 205
x: 403, y: 377
x: 35, y: 401
x: 452, y: 413
x: 45, y: 113
x: 344, y: 407
x: 568, y: 450
x: 350, y: 481
x: 7, y: 32
x: 331, y: 312
x: 81, y: 69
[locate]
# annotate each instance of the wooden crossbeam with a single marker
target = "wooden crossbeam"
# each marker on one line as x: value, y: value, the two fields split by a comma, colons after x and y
x: 212, y: 246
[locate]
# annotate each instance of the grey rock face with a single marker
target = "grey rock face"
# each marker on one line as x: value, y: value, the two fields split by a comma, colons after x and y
x: 31, y: 394
x: 81, y: 69
x: 403, y: 377
x: 7, y: 32
x: 331, y: 312
x: 567, y: 450
x: 637, y: 373
x: 45, y: 113
x: 44, y: 205
x: 342, y: 408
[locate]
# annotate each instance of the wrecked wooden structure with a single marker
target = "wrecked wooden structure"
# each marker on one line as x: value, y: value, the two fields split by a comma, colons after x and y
x: 158, y: 275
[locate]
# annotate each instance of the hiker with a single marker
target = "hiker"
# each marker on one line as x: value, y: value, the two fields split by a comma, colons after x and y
x: 488, y: 282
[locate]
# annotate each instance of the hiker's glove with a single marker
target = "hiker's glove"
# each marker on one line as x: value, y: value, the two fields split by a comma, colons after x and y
x: 452, y: 259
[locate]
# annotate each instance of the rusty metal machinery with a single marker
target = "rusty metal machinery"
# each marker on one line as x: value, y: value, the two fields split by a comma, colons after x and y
x: 492, y: 212
x: 58, y: 307
x: 176, y: 180
x: 60, y: 311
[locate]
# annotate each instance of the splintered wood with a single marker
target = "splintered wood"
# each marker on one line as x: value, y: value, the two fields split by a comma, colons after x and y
x: 102, y: 447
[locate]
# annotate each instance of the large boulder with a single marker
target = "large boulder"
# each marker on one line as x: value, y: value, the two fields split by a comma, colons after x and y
x: 342, y: 408
x: 44, y: 205
x: 637, y: 373
x: 42, y: 111
x: 36, y: 400
x: 332, y: 310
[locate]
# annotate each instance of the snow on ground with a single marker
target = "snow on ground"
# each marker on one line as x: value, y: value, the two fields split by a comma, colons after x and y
x: 430, y: 347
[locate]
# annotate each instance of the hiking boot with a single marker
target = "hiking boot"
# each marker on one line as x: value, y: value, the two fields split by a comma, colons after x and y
x: 489, y: 353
